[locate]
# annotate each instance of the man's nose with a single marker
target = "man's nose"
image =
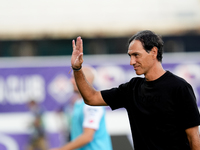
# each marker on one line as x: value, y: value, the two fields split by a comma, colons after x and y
x: 132, y: 61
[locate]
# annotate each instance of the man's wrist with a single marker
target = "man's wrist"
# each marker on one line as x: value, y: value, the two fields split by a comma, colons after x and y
x: 76, y: 69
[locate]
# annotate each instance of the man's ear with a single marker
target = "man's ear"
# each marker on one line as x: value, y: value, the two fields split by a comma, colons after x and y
x: 154, y: 52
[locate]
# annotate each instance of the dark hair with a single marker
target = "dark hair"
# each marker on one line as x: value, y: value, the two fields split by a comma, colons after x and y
x: 149, y: 39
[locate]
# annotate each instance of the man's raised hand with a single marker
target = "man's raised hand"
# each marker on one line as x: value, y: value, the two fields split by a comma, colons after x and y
x: 77, y: 54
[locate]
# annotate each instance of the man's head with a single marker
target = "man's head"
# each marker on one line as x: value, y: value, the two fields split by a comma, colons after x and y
x: 149, y: 40
x: 145, y: 51
x: 89, y: 73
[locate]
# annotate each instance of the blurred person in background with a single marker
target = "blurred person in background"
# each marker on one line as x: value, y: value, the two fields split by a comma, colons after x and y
x: 162, y: 107
x: 37, y: 136
x: 88, y: 126
x: 63, y: 121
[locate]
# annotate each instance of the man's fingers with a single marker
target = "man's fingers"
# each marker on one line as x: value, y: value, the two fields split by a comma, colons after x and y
x: 79, y: 44
x: 73, y: 45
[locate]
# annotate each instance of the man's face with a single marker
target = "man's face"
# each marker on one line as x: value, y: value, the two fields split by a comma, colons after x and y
x: 139, y: 58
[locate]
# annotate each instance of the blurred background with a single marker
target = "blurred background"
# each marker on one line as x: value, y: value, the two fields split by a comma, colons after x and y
x: 35, y: 49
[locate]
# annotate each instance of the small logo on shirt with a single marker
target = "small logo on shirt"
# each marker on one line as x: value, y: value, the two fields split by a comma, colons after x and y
x: 91, y: 121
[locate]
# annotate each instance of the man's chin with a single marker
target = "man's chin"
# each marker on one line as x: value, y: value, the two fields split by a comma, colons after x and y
x: 138, y: 73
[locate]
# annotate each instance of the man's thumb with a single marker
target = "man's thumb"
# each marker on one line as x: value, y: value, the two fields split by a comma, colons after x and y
x: 81, y: 57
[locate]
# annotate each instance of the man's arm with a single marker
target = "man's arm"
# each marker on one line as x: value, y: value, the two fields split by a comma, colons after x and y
x: 193, y: 137
x: 89, y: 94
x: 80, y: 141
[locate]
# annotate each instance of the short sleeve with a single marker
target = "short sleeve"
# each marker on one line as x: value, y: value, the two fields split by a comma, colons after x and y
x: 116, y: 97
x: 188, y: 108
x: 92, y: 116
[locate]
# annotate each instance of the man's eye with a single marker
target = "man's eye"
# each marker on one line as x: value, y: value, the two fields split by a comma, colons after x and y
x: 136, y: 55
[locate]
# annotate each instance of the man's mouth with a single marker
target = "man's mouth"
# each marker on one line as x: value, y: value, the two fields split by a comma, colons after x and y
x: 136, y: 67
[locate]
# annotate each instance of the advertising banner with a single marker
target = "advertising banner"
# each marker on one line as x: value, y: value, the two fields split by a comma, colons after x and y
x: 47, y: 81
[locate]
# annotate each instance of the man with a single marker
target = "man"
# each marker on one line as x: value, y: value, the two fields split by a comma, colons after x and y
x: 162, y: 107
x: 88, y: 128
x: 37, y: 136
